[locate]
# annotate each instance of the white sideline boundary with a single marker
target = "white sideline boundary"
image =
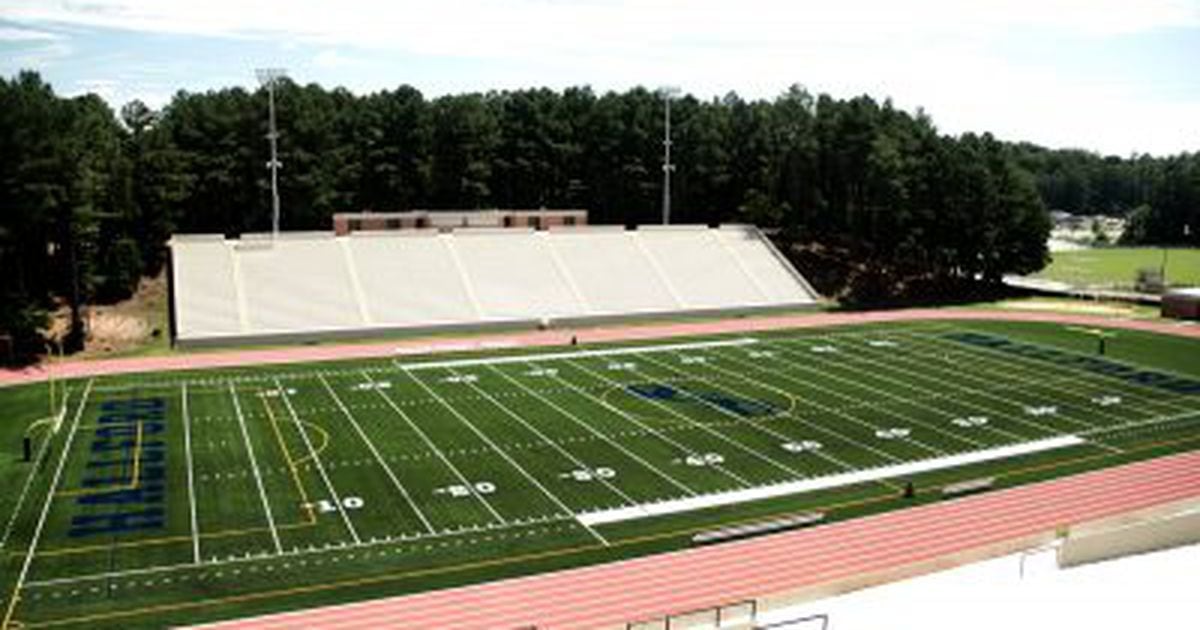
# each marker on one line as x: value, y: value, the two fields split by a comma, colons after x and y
x: 191, y: 481
x: 578, y: 354
x: 731, y: 497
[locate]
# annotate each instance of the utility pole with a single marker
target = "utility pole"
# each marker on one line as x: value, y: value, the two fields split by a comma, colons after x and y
x: 667, y: 93
x: 269, y: 77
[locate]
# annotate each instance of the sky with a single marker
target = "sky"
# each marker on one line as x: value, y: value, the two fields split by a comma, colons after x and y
x: 1112, y: 76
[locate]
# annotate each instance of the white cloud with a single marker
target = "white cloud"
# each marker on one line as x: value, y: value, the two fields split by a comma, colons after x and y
x: 107, y: 89
x: 514, y: 26
x: 17, y: 34
x: 332, y: 59
x: 946, y: 55
x: 43, y: 54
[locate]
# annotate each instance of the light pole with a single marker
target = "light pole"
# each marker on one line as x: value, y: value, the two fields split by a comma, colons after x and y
x: 667, y: 93
x: 268, y: 77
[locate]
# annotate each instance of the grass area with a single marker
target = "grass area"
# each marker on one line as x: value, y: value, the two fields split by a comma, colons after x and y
x: 1117, y: 267
x: 184, y: 497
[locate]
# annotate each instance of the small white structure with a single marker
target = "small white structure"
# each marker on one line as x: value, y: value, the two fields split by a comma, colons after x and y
x: 308, y: 285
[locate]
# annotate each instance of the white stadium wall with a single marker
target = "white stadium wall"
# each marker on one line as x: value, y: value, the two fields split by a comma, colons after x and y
x: 307, y: 285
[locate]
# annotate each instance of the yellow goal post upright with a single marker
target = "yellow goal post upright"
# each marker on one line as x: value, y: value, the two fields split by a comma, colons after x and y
x: 54, y: 389
x: 56, y: 408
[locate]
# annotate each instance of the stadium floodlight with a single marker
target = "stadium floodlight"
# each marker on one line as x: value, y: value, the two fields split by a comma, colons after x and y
x: 668, y: 93
x: 268, y: 78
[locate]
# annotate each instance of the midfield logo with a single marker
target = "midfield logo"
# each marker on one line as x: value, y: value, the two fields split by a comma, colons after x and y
x: 745, y: 407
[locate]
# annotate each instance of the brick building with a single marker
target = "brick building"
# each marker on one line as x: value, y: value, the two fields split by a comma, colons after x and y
x: 347, y: 222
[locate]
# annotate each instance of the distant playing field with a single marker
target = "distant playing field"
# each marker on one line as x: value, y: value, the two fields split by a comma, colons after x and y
x: 180, y: 497
x: 1117, y: 267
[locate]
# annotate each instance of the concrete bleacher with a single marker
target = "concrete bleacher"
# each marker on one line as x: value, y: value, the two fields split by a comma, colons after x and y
x: 514, y: 276
x: 203, y: 267
x: 299, y: 282
x: 387, y: 260
x: 312, y: 285
x: 602, y: 261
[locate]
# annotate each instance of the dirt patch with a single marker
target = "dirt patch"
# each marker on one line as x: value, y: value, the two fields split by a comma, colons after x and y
x: 124, y: 327
x: 1071, y: 307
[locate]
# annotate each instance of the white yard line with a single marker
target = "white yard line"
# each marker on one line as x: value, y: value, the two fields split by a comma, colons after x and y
x: 930, y: 333
x: 434, y: 449
x: 41, y: 523
x: 638, y: 423
x: 592, y: 430
x: 1006, y: 401
x: 927, y: 393
x: 879, y: 392
x: 316, y: 459
x: 844, y: 414
x: 923, y: 370
x: 999, y: 363
x: 262, y: 493
x: 821, y: 483
x: 512, y: 462
x: 1084, y: 378
x: 804, y: 421
x: 721, y: 436
x: 831, y: 410
x: 36, y: 466
x: 781, y: 436
x: 577, y: 354
x: 187, y: 451
x: 896, y: 397
x: 542, y: 436
x: 378, y: 458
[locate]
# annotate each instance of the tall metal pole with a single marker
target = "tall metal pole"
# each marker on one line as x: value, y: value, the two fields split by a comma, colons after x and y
x: 273, y: 135
x: 667, y: 167
x: 268, y: 77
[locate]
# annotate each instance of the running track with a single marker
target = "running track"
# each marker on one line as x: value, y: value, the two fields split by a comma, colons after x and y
x: 232, y: 358
x: 610, y: 595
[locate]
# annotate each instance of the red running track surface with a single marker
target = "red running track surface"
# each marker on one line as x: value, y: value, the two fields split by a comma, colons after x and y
x: 644, y: 588
x: 232, y: 358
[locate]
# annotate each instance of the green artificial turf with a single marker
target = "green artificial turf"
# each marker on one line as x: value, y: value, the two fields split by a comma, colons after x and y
x: 290, y: 486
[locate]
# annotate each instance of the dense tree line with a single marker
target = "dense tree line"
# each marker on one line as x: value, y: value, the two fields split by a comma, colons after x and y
x: 1159, y: 196
x: 89, y: 197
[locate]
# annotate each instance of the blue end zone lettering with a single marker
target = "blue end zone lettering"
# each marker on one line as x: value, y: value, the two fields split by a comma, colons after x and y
x: 119, y: 523
x: 1096, y: 365
x: 118, y: 449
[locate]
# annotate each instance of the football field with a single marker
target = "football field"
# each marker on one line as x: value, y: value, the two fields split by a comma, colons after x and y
x: 177, y: 497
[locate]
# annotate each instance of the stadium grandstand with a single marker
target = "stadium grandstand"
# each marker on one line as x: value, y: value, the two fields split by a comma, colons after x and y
x: 312, y: 285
